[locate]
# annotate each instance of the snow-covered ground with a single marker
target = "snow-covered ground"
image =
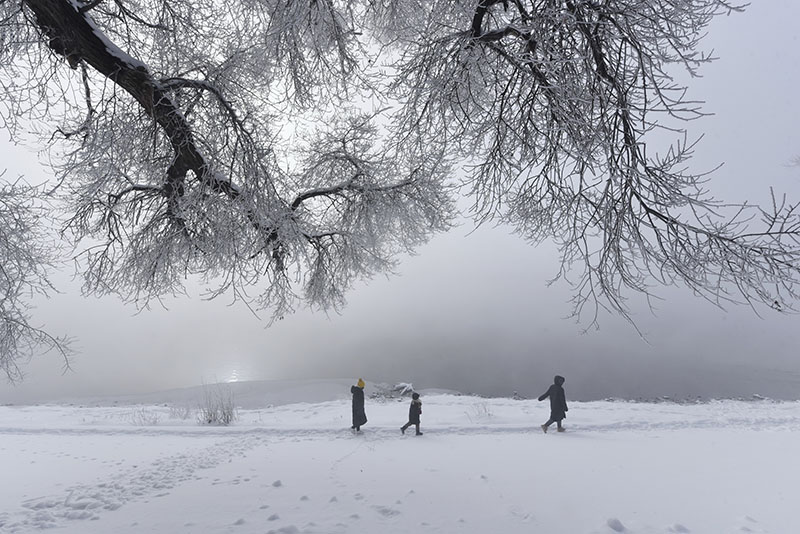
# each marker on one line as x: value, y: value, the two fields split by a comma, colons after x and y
x: 482, y: 466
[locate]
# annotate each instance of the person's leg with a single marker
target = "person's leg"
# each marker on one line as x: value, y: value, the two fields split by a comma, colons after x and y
x: 404, y: 427
x: 418, y: 432
x: 547, y: 425
x: 560, y: 428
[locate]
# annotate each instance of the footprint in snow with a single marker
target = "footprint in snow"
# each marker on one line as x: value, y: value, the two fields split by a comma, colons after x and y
x: 521, y: 515
x: 751, y: 525
x: 616, y: 525
x: 385, y: 511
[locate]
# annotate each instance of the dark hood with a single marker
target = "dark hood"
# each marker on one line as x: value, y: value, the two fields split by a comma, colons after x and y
x: 559, y: 380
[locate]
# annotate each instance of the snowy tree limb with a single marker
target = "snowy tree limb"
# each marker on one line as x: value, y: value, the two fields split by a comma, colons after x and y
x: 218, y: 141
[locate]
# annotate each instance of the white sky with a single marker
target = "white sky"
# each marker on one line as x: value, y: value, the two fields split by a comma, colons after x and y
x: 473, y: 312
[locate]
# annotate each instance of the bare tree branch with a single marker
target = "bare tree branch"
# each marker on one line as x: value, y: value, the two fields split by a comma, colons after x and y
x: 25, y: 256
x: 216, y: 140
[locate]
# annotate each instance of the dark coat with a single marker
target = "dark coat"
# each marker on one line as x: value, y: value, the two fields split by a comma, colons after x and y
x: 359, y: 416
x: 558, y: 400
x: 414, y: 411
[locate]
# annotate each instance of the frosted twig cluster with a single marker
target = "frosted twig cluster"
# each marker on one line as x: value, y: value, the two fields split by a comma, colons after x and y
x: 279, y: 151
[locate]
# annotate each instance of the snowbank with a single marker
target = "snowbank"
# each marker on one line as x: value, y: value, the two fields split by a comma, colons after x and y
x: 482, y: 466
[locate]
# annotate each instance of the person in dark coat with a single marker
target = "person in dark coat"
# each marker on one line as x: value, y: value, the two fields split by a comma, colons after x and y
x: 414, y: 411
x: 558, y: 403
x: 359, y: 415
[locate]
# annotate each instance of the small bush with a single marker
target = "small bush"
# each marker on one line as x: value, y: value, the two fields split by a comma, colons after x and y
x: 180, y: 412
x: 479, y: 412
x: 218, y: 407
x: 142, y: 416
x: 404, y: 388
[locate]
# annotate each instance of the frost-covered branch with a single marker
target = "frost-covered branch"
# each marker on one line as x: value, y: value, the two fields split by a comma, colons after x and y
x: 214, y: 140
x: 25, y: 256
x: 553, y: 105
x: 174, y: 171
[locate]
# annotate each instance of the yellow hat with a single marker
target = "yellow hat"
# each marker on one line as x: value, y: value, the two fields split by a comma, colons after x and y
x: 361, y: 383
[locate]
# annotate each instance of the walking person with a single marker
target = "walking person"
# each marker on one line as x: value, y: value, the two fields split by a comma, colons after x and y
x: 558, y: 404
x: 414, y: 411
x: 359, y: 415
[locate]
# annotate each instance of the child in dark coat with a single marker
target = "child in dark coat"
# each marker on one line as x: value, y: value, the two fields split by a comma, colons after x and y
x: 414, y: 411
x: 558, y: 403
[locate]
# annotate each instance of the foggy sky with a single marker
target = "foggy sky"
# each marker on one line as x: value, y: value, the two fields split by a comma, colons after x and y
x: 473, y: 312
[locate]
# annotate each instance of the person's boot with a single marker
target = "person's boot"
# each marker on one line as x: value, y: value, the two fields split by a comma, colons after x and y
x: 418, y: 433
x: 403, y: 429
x: 561, y: 429
x: 544, y: 429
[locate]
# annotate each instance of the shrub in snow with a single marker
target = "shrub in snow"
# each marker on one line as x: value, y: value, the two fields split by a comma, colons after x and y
x: 142, y: 416
x: 383, y: 392
x: 404, y: 388
x: 217, y: 407
x: 180, y: 412
x: 479, y: 412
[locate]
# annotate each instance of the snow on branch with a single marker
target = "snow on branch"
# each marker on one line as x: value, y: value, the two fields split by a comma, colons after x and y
x: 181, y: 143
x: 25, y: 257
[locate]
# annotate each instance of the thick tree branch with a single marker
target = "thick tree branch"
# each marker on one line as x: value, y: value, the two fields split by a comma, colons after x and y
x: 72, y: 34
